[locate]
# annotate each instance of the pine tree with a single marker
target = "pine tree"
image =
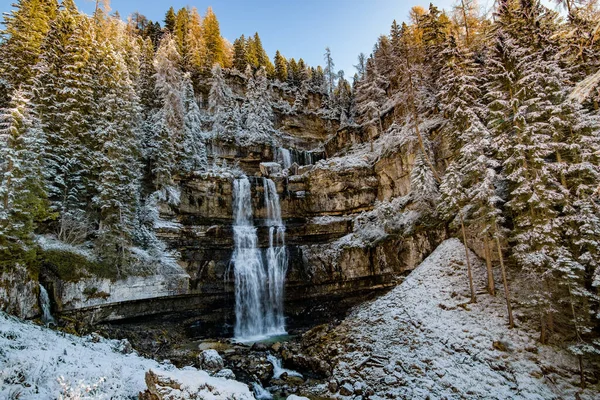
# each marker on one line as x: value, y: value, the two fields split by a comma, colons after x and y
x: 64, y: 98
x: 281, y: 72
x: 452, y: 205
x: 423, y: 186
x: 196, y: 44
x: 192, y: 152
x: 222, y: 104
x: 23, y: 201
x: 170, y: 18
x: 215, y: 48
x: 239, y: 53
x: 527, y: 88
x: 257, y: 109
x: 180, y: 33
x: 25, y: 30
x: 118, y: 160
x: 168, y: 121
x: 370, y: 96
x: 330, y: 74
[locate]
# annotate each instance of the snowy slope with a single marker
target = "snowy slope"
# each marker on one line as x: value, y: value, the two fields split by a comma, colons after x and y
x: 418, y: 341
x: 38, y: 363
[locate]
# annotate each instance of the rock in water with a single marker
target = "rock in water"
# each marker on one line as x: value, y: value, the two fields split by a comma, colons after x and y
x: 210, y: 360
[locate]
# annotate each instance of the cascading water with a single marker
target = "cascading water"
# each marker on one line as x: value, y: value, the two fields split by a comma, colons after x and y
x: 47, y: 317
x: 258, y: 290
x: 276, y: 257
x: 286, y: 157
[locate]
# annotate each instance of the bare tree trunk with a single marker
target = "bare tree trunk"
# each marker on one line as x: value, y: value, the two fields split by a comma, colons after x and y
x: 581, y: 374
x: 464, y: 13
x: 488, y: 263
x: 543, y: 334
x: 469, y: 271
x: 511, y: 322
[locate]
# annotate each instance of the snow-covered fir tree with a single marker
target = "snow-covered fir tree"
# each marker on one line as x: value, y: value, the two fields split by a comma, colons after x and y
x: 23, y: 202
x: 169, y: 120
x: 257, y: 110
x: 224, y: 108
x: 192, y: 150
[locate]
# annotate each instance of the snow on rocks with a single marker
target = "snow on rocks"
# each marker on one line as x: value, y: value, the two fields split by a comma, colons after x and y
x: 38, y: 363
x: 270, y: 169
x: 185, y: 385
x: 211, y: 360
x: 423, y: 339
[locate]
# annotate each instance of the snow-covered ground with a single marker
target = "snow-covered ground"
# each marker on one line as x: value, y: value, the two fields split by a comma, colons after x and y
x: 422, y: 340
x: 38, y: 363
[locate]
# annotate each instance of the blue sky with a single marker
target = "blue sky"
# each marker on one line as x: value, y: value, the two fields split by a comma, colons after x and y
x: 297, y: 28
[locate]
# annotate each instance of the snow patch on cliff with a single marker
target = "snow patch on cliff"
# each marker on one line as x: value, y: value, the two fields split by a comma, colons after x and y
x: 38, y: 363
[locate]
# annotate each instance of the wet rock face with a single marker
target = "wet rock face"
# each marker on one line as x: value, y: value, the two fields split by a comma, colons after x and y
x: 19, y: 293
x: 320, y: 203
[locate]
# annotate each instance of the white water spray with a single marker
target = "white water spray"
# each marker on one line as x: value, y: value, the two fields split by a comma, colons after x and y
x: 276, y: 257
x: 47, y: 317
x: 286, y: 158
x: 258, y: 290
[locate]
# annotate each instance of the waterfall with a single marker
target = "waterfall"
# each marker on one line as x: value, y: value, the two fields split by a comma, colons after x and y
x: 47, y: 317
x: 278, y: 369
x: 286, y: 158
x: 260, y: 392
x: 258, y: 290
x: 276, y: 257
x: 248, y: 267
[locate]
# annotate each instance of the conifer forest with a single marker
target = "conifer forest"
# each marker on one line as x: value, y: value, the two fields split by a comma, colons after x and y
x: 185, y: 216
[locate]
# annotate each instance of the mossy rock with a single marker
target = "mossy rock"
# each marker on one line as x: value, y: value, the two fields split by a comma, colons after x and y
x: 72, y: 267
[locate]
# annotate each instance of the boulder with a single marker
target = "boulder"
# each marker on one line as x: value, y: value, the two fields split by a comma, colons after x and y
x: 225, y: 373
x: 346, y: 389
x: 191, y: 385
x: 210, y: 360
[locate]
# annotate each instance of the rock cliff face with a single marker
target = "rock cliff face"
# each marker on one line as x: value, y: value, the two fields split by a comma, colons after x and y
x: 322, y: 198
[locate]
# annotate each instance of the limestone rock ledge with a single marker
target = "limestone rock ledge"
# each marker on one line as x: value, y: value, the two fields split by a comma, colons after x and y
x: 192, y: 385
x: 19, y: 293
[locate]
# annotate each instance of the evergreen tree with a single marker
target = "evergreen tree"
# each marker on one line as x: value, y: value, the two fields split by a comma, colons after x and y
x: 240, y: 59
x: 452, y: 205
x: 196, y: 45
x: 64, y: 99
x: 23, y: 201
x: 370, y: 95
x: 330, y: 74
x: 192, y: 152
x: 118, y: 182
x: 180, y: 33
x: 257, y: 110
x: 168, y: 121
x: 170, y: 18
x: 215, y: 47
x: 281, y: 72
x: 25, y: 30
x: 222, y: 104
x: 423, y: 186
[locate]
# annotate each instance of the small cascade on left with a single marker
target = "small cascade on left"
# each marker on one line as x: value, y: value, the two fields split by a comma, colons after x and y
x: 47, y: 317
